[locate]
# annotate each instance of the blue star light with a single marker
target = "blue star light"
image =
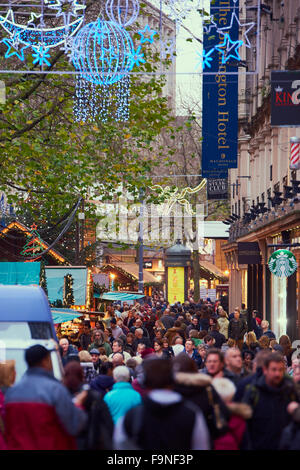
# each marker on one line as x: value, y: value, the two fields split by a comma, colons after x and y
x: 13, y: 49
x: 66, y: 9
x: 149, y: 31
x: 136, y: 58
x: 205, y: 58
x: 41, y: 55
x: 230, y: 46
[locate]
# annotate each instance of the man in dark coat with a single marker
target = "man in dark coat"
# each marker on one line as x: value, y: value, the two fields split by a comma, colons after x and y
x: 237, y: 328
x: 167, y: 319
x: 269, y: 397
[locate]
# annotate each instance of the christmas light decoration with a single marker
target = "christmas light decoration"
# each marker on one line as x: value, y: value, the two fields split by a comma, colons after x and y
x: 177, y: 196
x: 230, y: 46
x: 147, y: 34
x: 122, y: 12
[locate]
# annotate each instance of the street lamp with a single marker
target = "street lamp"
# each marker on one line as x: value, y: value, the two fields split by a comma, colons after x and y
x: 112, y: 277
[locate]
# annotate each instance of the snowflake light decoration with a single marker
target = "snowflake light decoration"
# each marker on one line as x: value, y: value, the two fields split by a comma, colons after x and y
x: 41, y: 55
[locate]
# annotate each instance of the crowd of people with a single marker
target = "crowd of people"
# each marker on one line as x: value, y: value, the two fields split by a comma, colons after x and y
x: 158, y: 376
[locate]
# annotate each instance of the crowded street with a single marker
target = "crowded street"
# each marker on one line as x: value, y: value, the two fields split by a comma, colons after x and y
x: 149, y: 231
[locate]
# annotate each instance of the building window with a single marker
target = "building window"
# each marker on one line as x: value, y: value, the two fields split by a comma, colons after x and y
x: 233, y: 188
x: 239, y: 208
x: 257, y: 200
x: 277, y: 186
x: 293, y: 175
x: 263, y: 197
x: 271, y: 172
x: 284, y: 181
x: 237, y: 188
x: 269, y: 195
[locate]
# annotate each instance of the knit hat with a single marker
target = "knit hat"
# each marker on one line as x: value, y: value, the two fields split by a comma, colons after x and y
x: 147, y: 352
x: 95, y: 351
x: 35, y: 354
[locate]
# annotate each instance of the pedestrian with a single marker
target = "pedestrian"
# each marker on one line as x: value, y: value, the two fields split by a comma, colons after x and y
x: 192, y: 352
x: 159, y: 350
x: 285, y: 343
x: 257, y: 371
x: 122, y: 397
x: 236, y: 437
x: 223, y: 322
x: 264, y: 342
x: 251, y: 343
x: 217, y: 335
x: 98, y: 341
x: 234, y: 365
x: 197, y: 388
x: 95, y: 356
x: 237, y: 329
x: 248, y: 357
x: 86, y: 336
x: 118, y: 347
x: 266, y: 331
x: 87, y: 365
x: 39, y: 412
x: 104, y: 381
x: 97, y: 434
x: 67, y: 351
x: 164, y: 420
x: 269, y: 397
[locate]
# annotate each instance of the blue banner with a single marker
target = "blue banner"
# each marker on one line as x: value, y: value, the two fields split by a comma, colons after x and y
x: 221, y: 54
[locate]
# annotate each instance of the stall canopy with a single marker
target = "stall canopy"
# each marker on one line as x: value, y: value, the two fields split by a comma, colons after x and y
x: 62, y: 315
x: 20, y: 273
x: 123, y: 296
x: 55, y: 283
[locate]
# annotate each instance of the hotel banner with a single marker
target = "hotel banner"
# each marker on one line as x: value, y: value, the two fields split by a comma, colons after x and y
x: 175, y: 285
x: 220, y: 90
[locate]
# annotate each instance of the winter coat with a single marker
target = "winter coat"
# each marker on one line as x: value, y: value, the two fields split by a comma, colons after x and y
x: 121, y: 399
x: 168, y: 321
x: 223, y: 323
x: 196, y: 357
x: 236, y: 437
x: 237, y: 329
x: 72, y: 351
x: 197, y: 388
x: 104, y: 345
x: 218, y: 337
x: 102, y: 383
x: 290, y: 439
x: 270, y: 414
x: 40, y: 414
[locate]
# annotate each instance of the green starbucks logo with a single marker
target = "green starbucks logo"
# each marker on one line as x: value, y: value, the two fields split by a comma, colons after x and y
x: 282, y: 263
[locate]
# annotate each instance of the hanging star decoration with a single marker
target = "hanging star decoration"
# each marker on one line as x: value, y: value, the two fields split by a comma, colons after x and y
x: 41, y: 55
x: 234, y: 18
x: 35, y: 21
x: 205, y: 58
x: 136, y: 57
x: 13, y: 47
x: 227, y: 47
x: 66, y: 9
x: 147, y: 35
x: 209, y: 26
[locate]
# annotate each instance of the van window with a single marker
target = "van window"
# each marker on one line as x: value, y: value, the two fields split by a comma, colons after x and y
x: 40, y: 330
x: 14, y: 330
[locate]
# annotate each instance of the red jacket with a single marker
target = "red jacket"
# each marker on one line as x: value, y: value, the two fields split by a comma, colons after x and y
x: 233, y: 438
x: 35, y: 426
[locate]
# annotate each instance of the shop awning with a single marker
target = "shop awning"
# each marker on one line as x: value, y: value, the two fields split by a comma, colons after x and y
x: 123, y: 296
x: 62, y: 315
x: 20, y: 273
x: 133, y: 270
x: 211, y: 270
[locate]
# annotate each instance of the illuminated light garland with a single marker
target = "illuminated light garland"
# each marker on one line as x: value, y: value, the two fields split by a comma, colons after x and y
x: 13, y: 49
x: 205, y: 58
x: 122, y: 12
x: 177, y: 196
x: 66, y: 15
x: 103, y: 54
x: 33, y: 36
x: 168, y: 48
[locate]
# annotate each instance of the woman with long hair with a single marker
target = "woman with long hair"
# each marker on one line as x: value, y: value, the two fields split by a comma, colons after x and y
x: 288, y: 351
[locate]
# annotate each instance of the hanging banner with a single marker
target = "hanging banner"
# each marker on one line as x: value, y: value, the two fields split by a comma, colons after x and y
x: 248, y: 253
x: 285, y: 98
x: 220, y: 90
x: 217, y: 188
x: 175, y: 285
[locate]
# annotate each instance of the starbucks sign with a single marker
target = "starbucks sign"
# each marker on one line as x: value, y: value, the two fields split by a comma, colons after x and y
x: 282, y: 263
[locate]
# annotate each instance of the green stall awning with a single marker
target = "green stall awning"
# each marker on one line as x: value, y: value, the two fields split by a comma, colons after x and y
x: 62, y: 315
x: 20, y: 273
x: 123, y: 296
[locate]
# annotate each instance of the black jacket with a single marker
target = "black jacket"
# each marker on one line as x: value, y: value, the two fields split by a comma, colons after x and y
x: 219, y: 338
x: 270, y: 414
x: 196, y: 388
x: 237, y: 328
